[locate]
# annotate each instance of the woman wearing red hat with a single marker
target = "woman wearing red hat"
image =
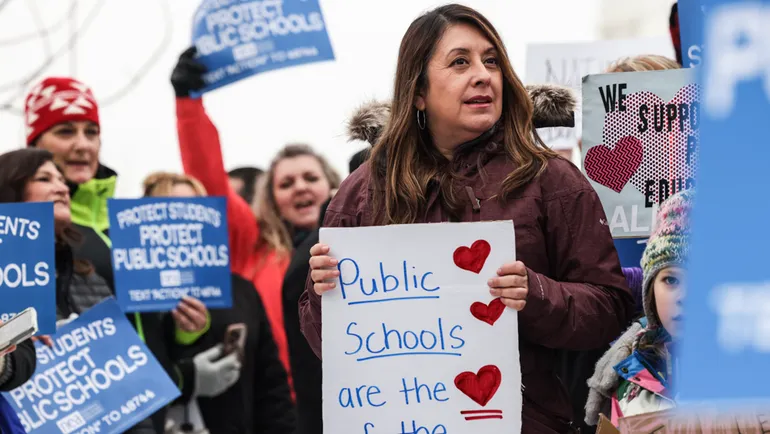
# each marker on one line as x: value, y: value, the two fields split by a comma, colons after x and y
x: 62, y: 116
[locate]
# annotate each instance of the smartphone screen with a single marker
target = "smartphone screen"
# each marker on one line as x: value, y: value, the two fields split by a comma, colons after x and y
x: 231, y: 340
x: 234, y: 340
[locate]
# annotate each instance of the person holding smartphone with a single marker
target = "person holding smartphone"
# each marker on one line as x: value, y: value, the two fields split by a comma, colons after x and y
x: 17, y: 364
x: 258, y: 399
x: 30, y: 175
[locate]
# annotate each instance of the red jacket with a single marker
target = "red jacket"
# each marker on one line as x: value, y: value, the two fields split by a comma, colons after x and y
x: 578, y: 297
x: 202, y: 159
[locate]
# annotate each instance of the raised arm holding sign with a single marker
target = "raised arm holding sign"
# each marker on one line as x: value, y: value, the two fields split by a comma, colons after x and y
x: 260, y: 249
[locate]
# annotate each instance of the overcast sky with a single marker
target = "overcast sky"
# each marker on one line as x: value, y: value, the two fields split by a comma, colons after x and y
x: 257, y: 116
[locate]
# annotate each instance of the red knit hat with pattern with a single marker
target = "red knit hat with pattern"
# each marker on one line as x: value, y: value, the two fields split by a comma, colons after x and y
x: 56, y: 100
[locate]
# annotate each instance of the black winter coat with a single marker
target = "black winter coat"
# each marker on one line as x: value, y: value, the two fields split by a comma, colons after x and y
x: 155, y: 328
x: 76, y: 293
x: 260, y: 402
x: 305, y: 365
x: 19, y: 366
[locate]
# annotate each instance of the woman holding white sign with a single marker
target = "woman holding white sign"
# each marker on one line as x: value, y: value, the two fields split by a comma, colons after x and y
x: 461, y: 146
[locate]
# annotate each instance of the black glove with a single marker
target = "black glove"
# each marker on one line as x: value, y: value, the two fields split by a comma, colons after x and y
x: 188, y: 74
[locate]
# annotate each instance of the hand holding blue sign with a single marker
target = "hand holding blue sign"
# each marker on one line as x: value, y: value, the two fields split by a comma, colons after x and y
x: 45, y: 339
x: 187, y: 76
x: 190, y: 315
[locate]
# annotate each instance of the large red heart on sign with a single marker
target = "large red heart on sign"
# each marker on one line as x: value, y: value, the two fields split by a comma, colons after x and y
x: 473, y: 258
x: 613, y: 168
x: 480, y: 387
x: 488, y: 313
x: 670, y: 145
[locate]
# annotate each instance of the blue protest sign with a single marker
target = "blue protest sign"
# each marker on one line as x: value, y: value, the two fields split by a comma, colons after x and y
x: 27, y: 265
x: 726, y: 345
x: 630, y: 251
x: 98, y: 377
x: 239, y: 38
x: 691, y: 31
x: 165, y: 248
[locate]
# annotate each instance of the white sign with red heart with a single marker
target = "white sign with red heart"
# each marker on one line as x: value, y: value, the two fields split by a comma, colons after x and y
x: 412, y: 340
x: 640, y: 143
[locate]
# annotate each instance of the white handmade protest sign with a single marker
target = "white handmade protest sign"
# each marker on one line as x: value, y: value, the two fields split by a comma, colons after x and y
x: 413, y: 342
x: 640, y: 143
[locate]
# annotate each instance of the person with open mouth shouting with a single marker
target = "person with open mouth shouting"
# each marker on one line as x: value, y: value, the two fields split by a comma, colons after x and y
x: 290, y: 195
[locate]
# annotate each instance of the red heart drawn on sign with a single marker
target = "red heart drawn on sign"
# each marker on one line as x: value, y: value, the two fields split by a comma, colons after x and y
x: 473, y: 258
x: 488, y: 313
x: 670, y: 145
x: 480, y: 387
x: 613, y: 168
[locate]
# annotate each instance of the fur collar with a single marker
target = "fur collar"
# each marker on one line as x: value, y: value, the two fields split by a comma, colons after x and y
x: 605, y: 380
x: 554, y: 106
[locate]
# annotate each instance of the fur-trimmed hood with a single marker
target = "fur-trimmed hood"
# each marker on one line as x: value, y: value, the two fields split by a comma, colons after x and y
x: 605, y: 380
x: 554, y: 106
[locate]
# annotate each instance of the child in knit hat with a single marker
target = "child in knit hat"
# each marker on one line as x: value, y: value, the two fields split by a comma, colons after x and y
x: 634, y: 376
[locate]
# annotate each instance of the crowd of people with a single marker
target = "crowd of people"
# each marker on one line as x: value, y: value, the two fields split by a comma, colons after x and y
x: 458, y: 142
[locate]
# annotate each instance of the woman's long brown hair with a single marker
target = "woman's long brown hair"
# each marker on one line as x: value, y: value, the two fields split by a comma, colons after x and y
x: 404, y: 160
x: 17, y: 168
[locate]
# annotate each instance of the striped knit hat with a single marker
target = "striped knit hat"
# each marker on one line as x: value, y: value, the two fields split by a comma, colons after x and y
x: 668, y: 246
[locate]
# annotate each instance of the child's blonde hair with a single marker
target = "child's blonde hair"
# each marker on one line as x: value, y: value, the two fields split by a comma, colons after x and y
x: 647, y: 62
x: 161, y: 184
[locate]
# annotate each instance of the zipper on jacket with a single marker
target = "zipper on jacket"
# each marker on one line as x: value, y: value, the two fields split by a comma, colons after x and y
x: 475, y: 203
